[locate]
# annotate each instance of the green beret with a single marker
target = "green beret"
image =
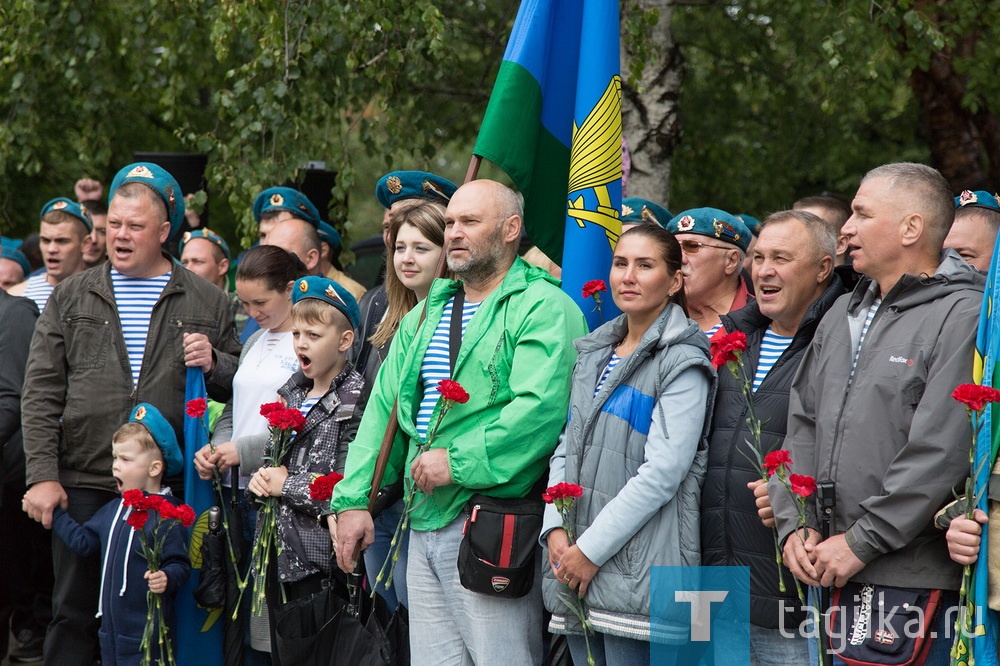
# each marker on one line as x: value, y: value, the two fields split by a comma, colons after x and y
x: 636, y: 210
x: 713, y: 223
x: 14, y: 254
x: 208, y: 235
x: 64, y: 205
x: 400, y: 185
x: 160, y: 181
x: 285, y: 198
x: 977, y: 199
x: 751, y: 222
x: 327, y: 290
x: 163, y: 434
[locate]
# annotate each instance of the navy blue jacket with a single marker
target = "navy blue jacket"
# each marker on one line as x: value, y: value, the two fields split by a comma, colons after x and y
x: 123, y: 586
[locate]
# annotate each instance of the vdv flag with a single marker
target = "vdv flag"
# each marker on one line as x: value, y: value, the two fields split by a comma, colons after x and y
x: 199, y: 631
x: 553, y: 125
x: 978, y: 643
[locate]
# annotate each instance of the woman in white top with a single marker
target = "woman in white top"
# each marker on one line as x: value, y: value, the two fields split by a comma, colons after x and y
x: 264, y: 281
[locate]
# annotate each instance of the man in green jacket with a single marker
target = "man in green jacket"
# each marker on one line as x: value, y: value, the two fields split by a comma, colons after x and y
x: 515, y: 360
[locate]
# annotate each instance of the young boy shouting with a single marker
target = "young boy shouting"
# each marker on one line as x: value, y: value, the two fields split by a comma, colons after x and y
x: 145, y: 450
x: 326, y: 390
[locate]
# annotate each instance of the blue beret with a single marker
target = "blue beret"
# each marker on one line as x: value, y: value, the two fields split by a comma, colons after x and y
x: 160, y: 181
x: 325, y: 289
x: 713, y: 223
x: 208, y: 235
x: 400, y: 185
x: 285, y: 198
x: 64, y: 205
x: 163, y: 434
x: 751, y: 222
x: 636, y: 210
x: 12, y: 243
x: 977, y: 199
x: 14, y: 254
x: 328, y: 234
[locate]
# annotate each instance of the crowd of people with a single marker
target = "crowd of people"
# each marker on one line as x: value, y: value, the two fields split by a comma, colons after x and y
x: 860, y: 318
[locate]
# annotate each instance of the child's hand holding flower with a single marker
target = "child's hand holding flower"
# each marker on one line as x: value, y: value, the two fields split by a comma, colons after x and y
x: 268, y: 481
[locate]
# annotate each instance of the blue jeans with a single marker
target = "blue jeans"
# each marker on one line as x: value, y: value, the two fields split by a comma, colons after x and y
x: 385, y: 527
x: 609, y: 650
x: 769, y: 648
x: 451, y: 626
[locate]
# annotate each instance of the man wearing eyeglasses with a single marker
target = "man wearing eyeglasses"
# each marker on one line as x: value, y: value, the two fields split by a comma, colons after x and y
x: 713, y: 245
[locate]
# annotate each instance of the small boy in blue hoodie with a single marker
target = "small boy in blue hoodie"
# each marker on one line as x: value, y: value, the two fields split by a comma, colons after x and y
x: 145, y: 450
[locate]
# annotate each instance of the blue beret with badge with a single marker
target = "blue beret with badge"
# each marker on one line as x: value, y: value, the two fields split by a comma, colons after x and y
x: 64, y: 205
x: 208, y: 235
x: 400, y: 185
x: 751, y: 222
x: 328, y: 234
x: 14, y: 254
x: 977, y: 199
x: 161, y: 182
x: 163, y: 434
x: 288, y: 199
x: 713, y: 223
x: 325, y: 289
x: 636, y: 210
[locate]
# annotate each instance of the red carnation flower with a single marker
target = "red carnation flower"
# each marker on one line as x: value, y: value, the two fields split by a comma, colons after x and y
x: 185, y: 514
x: 452, y: 390
x: 562, y: 491
x: 285, y: 419
x: 591, y: 287
x: 151, y: 503
x: 196, y: 408
x: 974, y: 396
x: 132, y: 497
x: 727, y: 347
x: 321, y: 488
x: 777, y: 459
x: 137, y: 519
x: 269, y: 408
x: 802, y: 485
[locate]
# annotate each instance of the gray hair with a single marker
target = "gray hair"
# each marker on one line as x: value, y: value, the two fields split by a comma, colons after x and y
x: 932, y: 195
x: 135, y: 190
x: 988, y: 216
x: 822, y: 233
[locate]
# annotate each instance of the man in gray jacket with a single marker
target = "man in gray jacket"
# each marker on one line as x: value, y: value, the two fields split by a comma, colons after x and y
x: 870, y: 409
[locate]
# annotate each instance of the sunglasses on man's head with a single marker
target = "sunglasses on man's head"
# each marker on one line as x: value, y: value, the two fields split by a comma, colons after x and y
x: 693, y: 246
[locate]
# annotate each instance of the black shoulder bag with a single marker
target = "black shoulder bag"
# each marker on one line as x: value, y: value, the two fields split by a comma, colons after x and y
x: 500, y: 536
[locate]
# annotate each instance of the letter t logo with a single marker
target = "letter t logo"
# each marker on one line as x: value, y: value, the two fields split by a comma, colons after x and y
x: 701, y: 610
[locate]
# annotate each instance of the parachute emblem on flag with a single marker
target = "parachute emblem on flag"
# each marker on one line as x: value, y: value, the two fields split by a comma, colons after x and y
x: 595, y: 161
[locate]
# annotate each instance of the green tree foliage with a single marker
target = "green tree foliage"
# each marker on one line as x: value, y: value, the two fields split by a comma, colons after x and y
x: 260, y: 86
x: 786, y: 99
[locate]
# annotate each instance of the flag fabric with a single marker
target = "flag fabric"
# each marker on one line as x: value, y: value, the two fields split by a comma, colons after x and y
x: 979, y: 643
x: 199, y: 631
x: 553, y: 124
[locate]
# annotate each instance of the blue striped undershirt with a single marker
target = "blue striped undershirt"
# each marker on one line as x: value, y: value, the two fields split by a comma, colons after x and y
x: 861, y: 338
x: 772, y: 346
x: 712, y: 331
x: 135, y: 298
x: 437, y: 363
x: 612, y: 362
x: 307, y: 405
x: 38, y: 289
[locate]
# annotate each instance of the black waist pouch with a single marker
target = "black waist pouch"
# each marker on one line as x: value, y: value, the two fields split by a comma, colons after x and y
x: 497, y: 554
x: 883, y: 625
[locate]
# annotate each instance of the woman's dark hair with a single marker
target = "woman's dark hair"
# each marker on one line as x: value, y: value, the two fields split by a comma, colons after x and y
x: 271, y: 265
x: 670, y: 250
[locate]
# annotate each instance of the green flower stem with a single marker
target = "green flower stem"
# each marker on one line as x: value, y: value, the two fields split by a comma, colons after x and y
x: 574, y: 601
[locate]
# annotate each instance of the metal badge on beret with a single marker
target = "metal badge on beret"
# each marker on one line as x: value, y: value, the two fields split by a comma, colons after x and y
x: 140, y: 413
x: 648, y: 217
x: 277, y: 199
x: 627, y: 210
x: 303, y: 286
x: 432, y: 189
x: 59, y: 205
x: 140, y: 172
x: 724, y: 229
x: 968, y: 197
x: 394, y: 184
x: 186, y: 237
x: 686, y: 223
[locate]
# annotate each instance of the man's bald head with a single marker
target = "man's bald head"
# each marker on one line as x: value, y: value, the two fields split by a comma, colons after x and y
x: 298, y: 237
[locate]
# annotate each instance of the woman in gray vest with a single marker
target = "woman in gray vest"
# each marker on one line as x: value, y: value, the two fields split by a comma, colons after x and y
x: 635, y: 441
